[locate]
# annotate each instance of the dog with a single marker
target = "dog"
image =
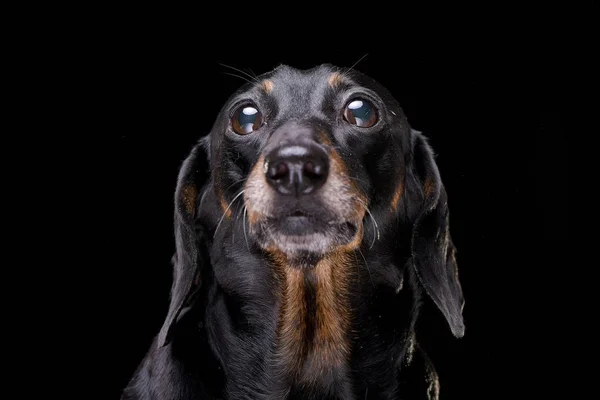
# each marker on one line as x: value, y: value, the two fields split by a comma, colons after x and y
x: 310, y: 225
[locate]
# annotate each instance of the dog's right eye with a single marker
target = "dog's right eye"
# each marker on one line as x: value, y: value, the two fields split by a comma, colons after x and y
x: 361, y: 113
x: 246, y: 119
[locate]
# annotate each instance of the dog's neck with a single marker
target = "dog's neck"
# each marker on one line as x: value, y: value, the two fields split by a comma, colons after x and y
x: 314, y: 318
x: 312, y: 325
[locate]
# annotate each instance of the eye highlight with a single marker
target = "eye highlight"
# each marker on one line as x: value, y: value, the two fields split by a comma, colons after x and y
x: 361, y: 113
x: 246, y: 119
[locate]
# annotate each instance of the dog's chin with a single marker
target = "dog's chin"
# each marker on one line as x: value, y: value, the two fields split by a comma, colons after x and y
x: 304, y: 240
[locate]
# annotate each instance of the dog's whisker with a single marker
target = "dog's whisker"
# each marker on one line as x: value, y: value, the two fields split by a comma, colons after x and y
x: 252, y: 73
x: 239, y: 76
x: 244, y: 226
x: 375, y: 224
x: 235, y: 183
x: 246, y: 73
x: 357, y: 265
x: 366, y: 265
x: 225, y: 212
x: 358, y: 179
x: 354, y: 65
x: 361, y: 225
x: 202, y: 200
x: 254, y: 78
x: 237, y: 218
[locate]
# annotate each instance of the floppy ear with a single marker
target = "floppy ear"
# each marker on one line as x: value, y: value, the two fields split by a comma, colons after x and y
x: 186, y: 261
x: 431, y: 245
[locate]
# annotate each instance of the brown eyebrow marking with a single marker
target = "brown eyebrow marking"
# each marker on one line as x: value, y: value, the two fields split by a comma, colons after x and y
x: 335, y: 79
x: 267, y: 86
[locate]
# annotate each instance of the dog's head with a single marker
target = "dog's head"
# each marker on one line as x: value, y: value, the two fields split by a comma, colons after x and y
x: 307, y: 163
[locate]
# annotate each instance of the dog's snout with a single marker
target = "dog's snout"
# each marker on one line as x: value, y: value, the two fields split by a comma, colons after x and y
x: 297, y: 169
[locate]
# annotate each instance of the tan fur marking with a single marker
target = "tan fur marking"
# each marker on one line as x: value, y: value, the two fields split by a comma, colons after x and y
x: 335, y: 79
x: 329, y: 347
x: 224, y: 205
x: 253, y: 217
x: 267, y: 86
x: 292, y: 323
x: 256, y: 178
x: 190, y: 193
x: 338, y: 166
x: 331, y: 342
x: 324, y: 139
x: 398, y: 193
x: 355, y: 243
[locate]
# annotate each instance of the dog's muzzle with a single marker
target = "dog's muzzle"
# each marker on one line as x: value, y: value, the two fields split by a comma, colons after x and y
x: 299, y: 196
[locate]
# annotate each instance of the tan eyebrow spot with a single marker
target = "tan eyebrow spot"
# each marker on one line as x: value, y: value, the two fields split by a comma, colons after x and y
x: 335, y: 79
x: 267, y: 86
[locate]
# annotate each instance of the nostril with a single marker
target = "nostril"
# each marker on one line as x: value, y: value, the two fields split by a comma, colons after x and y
x: 279, y: 171
x: 313, y: 170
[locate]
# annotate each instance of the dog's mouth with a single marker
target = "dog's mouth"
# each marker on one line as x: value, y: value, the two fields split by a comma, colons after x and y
x: 299, y: 223
x: 299, y: 233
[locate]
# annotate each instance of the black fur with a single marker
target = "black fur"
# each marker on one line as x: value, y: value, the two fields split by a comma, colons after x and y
x: 220, y: 337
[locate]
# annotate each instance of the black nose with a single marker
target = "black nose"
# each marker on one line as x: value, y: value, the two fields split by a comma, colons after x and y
x: 297, y: 169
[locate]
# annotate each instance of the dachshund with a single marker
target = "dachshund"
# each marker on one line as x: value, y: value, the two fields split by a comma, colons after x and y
x: 310, y: 226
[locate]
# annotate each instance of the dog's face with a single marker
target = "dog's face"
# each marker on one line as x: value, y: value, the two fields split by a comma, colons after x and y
x: 315, y: 150
x: 306, y: 166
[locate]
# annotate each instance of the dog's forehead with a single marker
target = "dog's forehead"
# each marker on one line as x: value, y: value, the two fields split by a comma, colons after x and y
x: 300, y: 88
x: 289, y: 77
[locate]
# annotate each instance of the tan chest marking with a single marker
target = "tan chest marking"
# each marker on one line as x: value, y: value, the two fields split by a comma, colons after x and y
x: 315, y: 318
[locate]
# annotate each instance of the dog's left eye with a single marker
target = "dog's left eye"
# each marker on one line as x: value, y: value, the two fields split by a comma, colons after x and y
x: 246, y: 119
x: 361, y: 113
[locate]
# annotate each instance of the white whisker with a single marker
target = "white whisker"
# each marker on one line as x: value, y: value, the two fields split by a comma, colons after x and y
x: 366, y: 265
x: 225, y: 212
x: 357, y: 266
x: 354, y: 65
x: 253, y: 78
x: 238, y: 76
x: 376, y: 233
x: 244, y: 224
x: 237, y: 218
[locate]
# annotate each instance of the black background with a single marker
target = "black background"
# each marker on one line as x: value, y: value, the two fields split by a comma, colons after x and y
x: 130, y: 96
